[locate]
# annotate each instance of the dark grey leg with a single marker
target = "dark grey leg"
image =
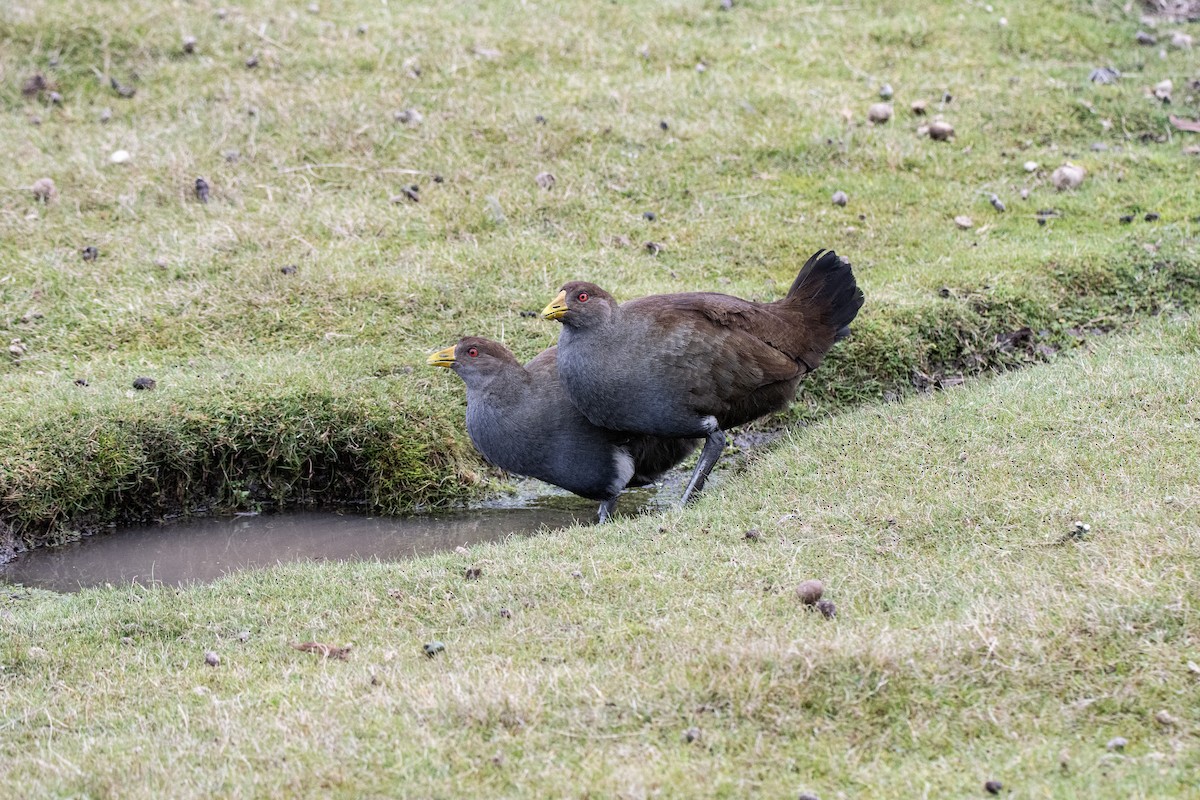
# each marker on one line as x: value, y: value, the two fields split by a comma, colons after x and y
x: 607, y: 509
x: 713, y: 445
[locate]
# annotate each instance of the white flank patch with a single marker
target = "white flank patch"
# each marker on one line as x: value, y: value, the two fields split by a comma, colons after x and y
x: 624, y: 466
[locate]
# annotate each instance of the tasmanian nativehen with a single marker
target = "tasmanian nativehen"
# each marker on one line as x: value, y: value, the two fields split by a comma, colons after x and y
x: 520, y: 419
x: 696, y: 364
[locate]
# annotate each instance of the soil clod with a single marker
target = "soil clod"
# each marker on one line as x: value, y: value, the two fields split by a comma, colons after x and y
x: 810, y: 591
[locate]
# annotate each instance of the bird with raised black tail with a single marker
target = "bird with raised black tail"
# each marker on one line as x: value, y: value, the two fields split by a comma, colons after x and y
x: 520, y: 420
x: 698, y: 363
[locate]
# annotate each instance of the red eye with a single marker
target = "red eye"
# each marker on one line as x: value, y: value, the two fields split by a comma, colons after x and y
x: 473, y: 352
x: 583, y: 296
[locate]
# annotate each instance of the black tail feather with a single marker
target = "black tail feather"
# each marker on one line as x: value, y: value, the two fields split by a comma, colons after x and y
x: 827, y: 281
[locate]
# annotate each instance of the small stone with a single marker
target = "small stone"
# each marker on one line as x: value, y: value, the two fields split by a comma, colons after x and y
x: 409, y: 116
x: 222, y: 13
x: 472, y: 573
x: 941, y: 131
x: 1182, y: 41
x: 120, y: 157
x: 997, y: 203
x: 726, y: 5
x: 82, y: 382
x: 947, y: 98
x: 1165, y: 718
x: 964, y: 222
x: 1151, y: 217
x: 546, y: 180
x: 840, y: 198
x: 649, y: 216
x: 89, y: 253
x: 1145, y: 39
x: 361, y: 30
x: 663, y: 125
x: 212, y: 659
x: 1163, y: 89
x: 827, y: 608
x: 752, y: 535
x: 807, y: 796
x: 701, y: 67
x: 431, y: 649
x: 1126, y: 219
x: 505, y: 613
x: 886, y: 92
x: 189, y: 44
x: 105, y: 115
x: 127, y: 641
x: 144, y: 384
x: 1105, y: 75
x: 55, y: 98
x: 1024, y: 194
x: 44, y: 190
x: 161, y: 262
x: 1031, y: 166
x: 993, y: 787
x: 1117, y: 743
x: 122, y: 90
x: 576, y: 574
x: 919, y: 107
x: 313, y: 8
x: 251, y: 62
x: 879, y: 113
x: 289, y: 269
x: 1068, y: 177
x: 411, y: 193
x: 201, y: 187
x: 691, y: 735
x: 653, y: 248
x: 810, y: 591
x: 243, y: 636
x: 16, y: 348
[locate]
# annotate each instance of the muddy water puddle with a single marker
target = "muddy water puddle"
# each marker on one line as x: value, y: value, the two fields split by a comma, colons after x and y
x: 204, y: 549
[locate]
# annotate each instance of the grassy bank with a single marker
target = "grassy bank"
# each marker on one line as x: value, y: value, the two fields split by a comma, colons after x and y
x: 976, y: 637
x: 285, y: 387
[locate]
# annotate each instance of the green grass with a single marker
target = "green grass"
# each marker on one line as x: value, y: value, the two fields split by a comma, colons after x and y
x: 974, y: 640
x: 303, y: 154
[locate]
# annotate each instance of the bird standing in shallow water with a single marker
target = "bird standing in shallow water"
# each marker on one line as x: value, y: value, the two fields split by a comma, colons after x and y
x: 520, y: 419
x: 698, y: 363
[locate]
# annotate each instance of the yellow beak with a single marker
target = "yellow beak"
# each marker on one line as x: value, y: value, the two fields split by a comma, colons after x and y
x: 557, y: 309
x: 442, y: 358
